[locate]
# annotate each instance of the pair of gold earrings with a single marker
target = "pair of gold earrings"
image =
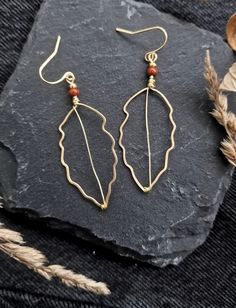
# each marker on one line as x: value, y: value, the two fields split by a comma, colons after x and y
x: 73, y: 91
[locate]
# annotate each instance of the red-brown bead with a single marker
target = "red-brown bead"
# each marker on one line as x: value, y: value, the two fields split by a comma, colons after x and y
x: 152, y: 70
x: 74, y: 92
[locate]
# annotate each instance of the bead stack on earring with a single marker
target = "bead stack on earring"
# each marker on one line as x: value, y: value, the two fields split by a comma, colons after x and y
x: 152, y: 71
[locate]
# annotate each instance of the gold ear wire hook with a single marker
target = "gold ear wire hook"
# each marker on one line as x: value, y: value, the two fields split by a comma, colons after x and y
x: 150, y: 56
x: 68, y: 76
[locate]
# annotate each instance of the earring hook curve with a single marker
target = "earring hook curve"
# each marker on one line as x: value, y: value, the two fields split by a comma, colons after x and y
x: 150, y: 55
x: 68, y: 76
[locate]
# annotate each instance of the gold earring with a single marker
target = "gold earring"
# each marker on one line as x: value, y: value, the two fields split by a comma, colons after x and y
x: 74, y: 93
x: 151, y: 58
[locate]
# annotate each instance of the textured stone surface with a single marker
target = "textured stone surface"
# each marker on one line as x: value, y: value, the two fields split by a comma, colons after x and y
x: 161, y: 227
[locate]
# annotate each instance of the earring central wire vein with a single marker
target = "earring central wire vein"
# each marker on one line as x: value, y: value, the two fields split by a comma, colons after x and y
x: 90, y: 155
x: 148, y: 140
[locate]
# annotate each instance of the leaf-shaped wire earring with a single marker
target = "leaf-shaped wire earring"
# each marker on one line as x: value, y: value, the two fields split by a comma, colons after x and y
x: 152, y: 70
x: 74, y: 93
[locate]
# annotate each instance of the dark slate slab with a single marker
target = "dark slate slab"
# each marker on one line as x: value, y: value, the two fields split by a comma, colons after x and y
x: 161, y: 227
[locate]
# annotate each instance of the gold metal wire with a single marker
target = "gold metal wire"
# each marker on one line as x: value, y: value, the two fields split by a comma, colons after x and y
x: 148, y: 140
x: 150, y: 57
x: 70, y: 79
x: 90, y: 155
x: 105, y: 199
x: 68, y: 76
x: 151, y: 182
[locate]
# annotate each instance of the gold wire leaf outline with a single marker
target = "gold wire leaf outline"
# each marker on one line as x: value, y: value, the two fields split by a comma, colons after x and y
x: 105, y: 198
x: 166, y: 161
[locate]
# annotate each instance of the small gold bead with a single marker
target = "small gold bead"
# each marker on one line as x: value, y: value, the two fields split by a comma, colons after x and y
x: 152, y: 64
x: 73, y: 85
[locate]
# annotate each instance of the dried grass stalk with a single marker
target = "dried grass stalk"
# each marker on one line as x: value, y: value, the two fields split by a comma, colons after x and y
x: 216, y: 91
x: 72, y: 279
x: 11, y: 244
x: 7, y: 235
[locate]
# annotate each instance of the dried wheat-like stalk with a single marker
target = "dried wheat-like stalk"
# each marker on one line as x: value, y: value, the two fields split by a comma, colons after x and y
x: 11, y: 243
x: 7, y: 235
x: 216, y: 91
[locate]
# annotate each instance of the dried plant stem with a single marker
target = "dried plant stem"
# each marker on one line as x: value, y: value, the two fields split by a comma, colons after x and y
x: 220, y: 112
x: 7, y: 235
x: 11, y: 244
x: 72, y: 279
